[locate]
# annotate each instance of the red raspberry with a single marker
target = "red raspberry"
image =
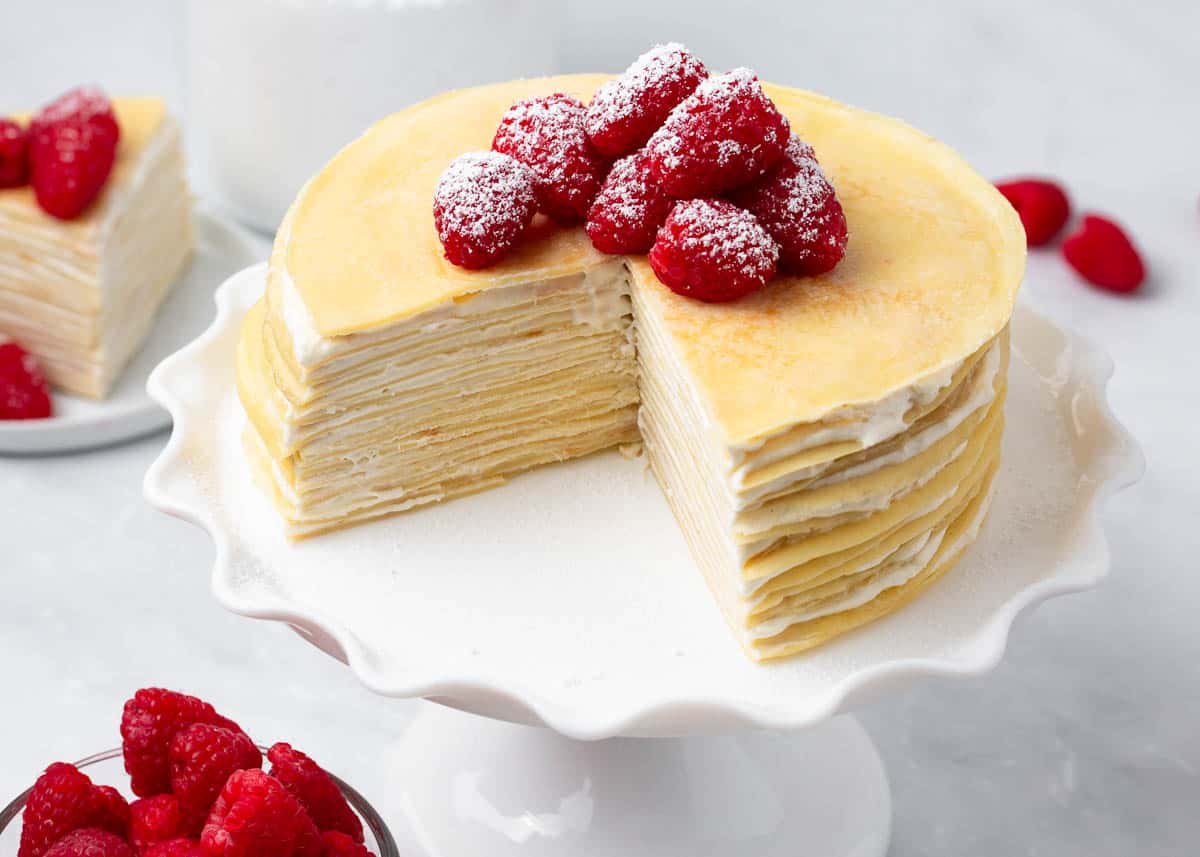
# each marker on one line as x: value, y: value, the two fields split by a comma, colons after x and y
x: 315, y: 789
x: 63, y: 799
x: 798, y: 206
x: 1102, y: 254
x: 148, y: 725
x: 114, y: 813
x: 548, y: 135
x: 483, y: 204
x: 90, y: 842
x: 629, y: 210
x: 24, y: 393
x: 340, y: 845
x: 711, y: 250
x: 255, y: 816
x: 723, y: 135
x: 154, y: 819
x: 626, y: 111
x: 203, y: 757
x: 14, y: 154
x: 175, y: 848
x: 72, y: 151
x: 85, y: 105
x: 1042, y: 205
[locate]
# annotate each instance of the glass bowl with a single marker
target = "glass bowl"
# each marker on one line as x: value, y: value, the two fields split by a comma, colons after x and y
x: 108, y: 768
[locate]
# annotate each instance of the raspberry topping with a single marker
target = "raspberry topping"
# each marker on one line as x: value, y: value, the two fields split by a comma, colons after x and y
x: 725, y: 134
x: 90, y: 842
x: 83, y: 105
x: 626, y: 111
x: 203, y: 757
x: 62, y: 800
x: 14, y: 154
x: 1102, y: 254
x: 315, y: 790
x: 255, y: 816
x: 72, y: 151
x: 1042, y: 206
x: 24, y: 393
x: 711, y: 250
x: 175, y: 848
x: 154, y: 819
x: 629, y: 210
x: 483, y: 204
x: 797, y: 205
x: 340, y: 845
x: 149, y: 723
x: 547, y: 134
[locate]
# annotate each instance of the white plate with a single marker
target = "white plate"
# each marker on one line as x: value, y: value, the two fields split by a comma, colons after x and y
x: 568, y: 597
x: 78, y: 423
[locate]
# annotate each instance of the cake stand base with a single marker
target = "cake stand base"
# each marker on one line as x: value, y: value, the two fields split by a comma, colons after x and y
x: 461, y: 784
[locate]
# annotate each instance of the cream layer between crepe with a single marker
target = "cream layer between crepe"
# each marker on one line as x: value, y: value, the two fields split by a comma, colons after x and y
x: 449, y: 402
x: 82, y: 295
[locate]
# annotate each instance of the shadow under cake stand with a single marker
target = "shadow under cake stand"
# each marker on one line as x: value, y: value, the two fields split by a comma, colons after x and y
x: 567, y: 600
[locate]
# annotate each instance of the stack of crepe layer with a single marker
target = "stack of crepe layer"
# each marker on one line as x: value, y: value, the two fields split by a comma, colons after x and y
x: 81, y: 295
x: 825, y: 526
x: 442, y: 404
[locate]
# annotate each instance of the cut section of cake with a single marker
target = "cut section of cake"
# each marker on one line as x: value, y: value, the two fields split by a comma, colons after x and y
x: 81, y: 294
x: 828, y: 444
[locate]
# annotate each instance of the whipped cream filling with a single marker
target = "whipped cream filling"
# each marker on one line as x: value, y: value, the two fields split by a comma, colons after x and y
x: 897, y: 576
x: 603, y: 310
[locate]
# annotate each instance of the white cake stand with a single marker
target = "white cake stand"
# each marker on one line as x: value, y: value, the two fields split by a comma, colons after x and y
x: 567, y: 599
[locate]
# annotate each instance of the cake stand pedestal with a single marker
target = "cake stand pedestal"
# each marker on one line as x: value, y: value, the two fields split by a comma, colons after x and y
x: 567, y: 599
x: 460, y: 784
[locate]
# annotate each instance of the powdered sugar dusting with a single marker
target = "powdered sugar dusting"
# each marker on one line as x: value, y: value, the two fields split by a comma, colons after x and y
x: 723, y: 135
x: 547, y: 134
x: 482, y: 204
x: 624, y: 112
x: 796, y: 203
x: 629, y: 209
x: 720, y: 230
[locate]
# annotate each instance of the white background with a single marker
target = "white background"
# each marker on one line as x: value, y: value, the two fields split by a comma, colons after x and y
x: 1086, y: 741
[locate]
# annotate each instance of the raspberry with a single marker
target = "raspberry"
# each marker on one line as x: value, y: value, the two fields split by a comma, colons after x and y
x: 203, y: 757
x: 114, y: 813
x: 548, y: 135
x: 1042, y: 206
x: 626, y: 111
x: 629, y: 210
x: 723, y: 135
x: 154, y: 819
x: 14, y: 154
x: 483, y: 204
x: 149, y: 723
x: 84, y: 105
x: 90, y: 842
x: 255, y: 816
x: 175, y: 848
x: 316, y: 791
x: 798, y: 206
x: 1102, y: 254
x: 62, y: 800
x: 72, y: 151
x: 24, y: 393
x: 340, y: 845
x: 711, y: 250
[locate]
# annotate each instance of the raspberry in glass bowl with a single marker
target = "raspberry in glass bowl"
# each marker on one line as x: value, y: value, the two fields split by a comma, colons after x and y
x: 108, y: 768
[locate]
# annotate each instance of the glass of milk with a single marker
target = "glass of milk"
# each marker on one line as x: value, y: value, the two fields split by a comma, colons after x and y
x: 276, y: 87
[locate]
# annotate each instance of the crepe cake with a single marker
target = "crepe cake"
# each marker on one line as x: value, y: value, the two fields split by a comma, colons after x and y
x: 828, y: 445
x: 81, y: 294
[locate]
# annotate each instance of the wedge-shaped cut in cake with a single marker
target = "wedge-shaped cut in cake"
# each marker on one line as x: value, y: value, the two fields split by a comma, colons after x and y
x: 828, y: 444
x: 82, y: 294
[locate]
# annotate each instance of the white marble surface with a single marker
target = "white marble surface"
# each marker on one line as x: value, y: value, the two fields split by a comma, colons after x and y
x: 1083, y: 742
